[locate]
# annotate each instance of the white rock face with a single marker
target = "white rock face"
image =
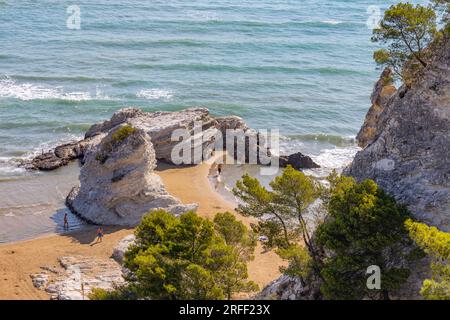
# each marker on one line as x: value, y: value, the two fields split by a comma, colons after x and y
x: 284, y: 288
x: 122, y: 247
x: 40, y: 280
x: 160, y: 126
x: 117, y: 182
x: 82, y: 274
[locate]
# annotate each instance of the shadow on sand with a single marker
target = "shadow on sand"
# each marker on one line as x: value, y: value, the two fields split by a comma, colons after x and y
x: 80, y: 231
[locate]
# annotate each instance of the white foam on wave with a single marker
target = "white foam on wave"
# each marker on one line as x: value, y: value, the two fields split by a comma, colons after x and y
x: 9, y: 166
x: 155, y: 94
x: 50, y: 145
x: 332, y: 21
x: 326, y: 155
x: 333, y: 159
x: 9, y: 88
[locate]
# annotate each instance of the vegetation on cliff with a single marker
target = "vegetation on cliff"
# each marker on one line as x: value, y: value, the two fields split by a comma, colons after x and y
x: 409, y: 33
x: 283, y: 209
x: 364, y: 227
x: 437, y: 245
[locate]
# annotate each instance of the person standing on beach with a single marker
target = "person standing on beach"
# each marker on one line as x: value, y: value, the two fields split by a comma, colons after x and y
x: 219, y: 172
x: 99, y: 234
x: 66, y: 222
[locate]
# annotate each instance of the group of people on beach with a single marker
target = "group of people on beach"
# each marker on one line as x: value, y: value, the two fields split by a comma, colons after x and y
x: 100, y: 233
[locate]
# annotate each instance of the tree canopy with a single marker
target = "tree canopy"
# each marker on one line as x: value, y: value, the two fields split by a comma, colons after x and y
x: 364, y: 227
x: 282, y: 215
x: 187, y: 258
x: 406, y: 30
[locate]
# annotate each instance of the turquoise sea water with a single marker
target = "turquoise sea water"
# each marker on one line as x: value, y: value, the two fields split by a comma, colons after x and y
x: 303, y: 66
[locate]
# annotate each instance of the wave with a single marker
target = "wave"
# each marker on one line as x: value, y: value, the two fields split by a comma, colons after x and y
x: 9, y: 88
x: 339, y: 141
x: 332, y: 21
x: 216, y: 67
x: 59, y: 78
x: 336, y: 158
x: 213, y: 21
x: 155, y: 94
x: 247, y: 69
x: 9, y: 166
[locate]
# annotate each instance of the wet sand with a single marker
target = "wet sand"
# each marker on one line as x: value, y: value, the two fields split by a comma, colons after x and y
x: 33, y: 205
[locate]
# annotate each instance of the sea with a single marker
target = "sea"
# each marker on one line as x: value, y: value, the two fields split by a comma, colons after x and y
x: 303, y: 67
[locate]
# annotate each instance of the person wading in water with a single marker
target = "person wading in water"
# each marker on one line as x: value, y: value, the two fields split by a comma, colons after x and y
x: 66, y: 222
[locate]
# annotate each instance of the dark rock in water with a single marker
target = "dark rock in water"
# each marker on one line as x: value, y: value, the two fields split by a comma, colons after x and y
x: 298, y: 161
x: 58, y: 157
x: 46, y: 162
x: 70, y: 151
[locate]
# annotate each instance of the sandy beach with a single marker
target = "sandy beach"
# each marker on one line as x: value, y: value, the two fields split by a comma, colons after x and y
x: 190, y: 184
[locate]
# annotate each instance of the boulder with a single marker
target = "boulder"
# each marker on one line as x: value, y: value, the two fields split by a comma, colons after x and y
x: 203, y: 130
x: 298, y: 161
x: 40, y: 280
x: 122, y: 247
x: 81, y: 274
x: 117, y: 182
x: 230, y: 123
x: 285, y: 288
x: 46, y: 162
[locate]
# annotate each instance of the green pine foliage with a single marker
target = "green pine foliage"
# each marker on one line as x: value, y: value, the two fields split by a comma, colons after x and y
x: 365, y: 227
x: 436, y: 244
x: 187, y: 258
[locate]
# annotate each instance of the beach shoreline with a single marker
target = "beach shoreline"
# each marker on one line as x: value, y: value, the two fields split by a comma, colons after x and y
x: 20, y: 259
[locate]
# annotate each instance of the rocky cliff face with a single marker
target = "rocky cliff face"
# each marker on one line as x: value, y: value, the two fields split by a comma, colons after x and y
x: 407, y: 148
x: 160, y: 125
x: 117, y: 182
x: 381, y: 94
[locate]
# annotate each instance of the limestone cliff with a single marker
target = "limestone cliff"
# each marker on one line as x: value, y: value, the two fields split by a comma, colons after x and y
x: 381, y: 94
x: 407, y: 151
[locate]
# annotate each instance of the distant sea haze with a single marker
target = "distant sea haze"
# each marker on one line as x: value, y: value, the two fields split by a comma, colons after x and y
x: 304, y: 67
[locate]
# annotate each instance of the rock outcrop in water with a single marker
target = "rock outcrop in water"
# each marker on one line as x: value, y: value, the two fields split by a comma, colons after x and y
x: 160, y: 125
x: 298, y: 161
x: 203, y: 130
x: 408, y: 153
x: 117, y: 182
